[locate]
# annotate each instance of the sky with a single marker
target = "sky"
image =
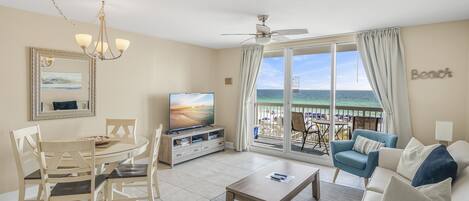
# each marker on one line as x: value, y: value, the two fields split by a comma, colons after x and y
x: 313, y: 71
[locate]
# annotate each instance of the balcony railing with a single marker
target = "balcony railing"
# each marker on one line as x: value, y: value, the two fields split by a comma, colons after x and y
x: 269, y: 116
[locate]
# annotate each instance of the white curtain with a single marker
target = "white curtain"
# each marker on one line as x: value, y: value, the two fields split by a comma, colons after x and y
x: 383, y: 57
x: 250, y: 64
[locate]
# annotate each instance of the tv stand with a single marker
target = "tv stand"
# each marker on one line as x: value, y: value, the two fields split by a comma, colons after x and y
x: 185, y: 145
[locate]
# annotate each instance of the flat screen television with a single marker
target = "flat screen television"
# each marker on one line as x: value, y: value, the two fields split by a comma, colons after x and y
x: 191, y: 110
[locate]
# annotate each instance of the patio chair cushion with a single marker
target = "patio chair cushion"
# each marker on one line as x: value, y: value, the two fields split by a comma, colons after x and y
x: 352, y: 158
x: 75, y: 188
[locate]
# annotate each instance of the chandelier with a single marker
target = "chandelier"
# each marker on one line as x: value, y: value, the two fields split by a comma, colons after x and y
x: 100, y: 49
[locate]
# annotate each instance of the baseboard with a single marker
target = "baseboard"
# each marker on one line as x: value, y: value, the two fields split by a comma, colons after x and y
x: 229, y: 145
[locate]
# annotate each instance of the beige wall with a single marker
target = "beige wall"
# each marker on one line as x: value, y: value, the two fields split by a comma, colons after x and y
x: 227, y: 66
x: 427, y: 47
x: 137, y: 85
x: 434, y: 47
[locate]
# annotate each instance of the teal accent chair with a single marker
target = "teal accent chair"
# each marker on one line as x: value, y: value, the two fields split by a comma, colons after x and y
x: 348, y: 160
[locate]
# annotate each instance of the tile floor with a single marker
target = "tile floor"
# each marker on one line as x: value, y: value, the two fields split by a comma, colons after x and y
x: 205, y: 178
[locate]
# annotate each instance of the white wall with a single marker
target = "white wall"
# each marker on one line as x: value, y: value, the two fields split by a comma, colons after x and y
x: 137, y: 85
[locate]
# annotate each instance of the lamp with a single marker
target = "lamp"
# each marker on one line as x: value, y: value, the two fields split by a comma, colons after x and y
x: 444, y: 132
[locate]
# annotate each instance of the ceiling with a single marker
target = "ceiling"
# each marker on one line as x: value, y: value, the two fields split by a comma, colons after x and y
x: 201, y: 22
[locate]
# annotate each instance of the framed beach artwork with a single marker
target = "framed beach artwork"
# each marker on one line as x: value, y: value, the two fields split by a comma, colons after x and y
x: 61, y: 80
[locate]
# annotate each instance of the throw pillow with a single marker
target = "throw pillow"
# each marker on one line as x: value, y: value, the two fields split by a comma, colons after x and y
x: 365, y: 146
x: 437, y: 167
x: 412, y: 156
x: 460, y: 153
x: 397, y: 190
x: 438, y: 191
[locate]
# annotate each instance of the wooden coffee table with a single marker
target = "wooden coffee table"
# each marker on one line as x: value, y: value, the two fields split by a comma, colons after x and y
x: 257, y: 187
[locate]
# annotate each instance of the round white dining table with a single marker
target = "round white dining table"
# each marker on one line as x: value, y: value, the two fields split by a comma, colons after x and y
x: 118, y: 151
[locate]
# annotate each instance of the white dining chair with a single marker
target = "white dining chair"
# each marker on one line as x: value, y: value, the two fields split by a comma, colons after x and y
x: 130, y: 173
x: 122, y: 129
x: 67, y: 174
x: 24, y: 143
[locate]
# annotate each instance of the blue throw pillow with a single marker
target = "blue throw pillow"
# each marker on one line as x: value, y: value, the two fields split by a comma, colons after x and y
x: 437, y: 167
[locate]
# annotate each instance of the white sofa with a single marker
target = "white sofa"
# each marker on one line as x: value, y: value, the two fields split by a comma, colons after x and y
x: 387, y: 165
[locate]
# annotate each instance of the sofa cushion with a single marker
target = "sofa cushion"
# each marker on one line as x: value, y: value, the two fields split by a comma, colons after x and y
x: 437, y: 167
x: 412, y: 157
x: 461, y: 186
x: 381, y: 178
x: 372, y: 196
x: 460, y: 152
x: 352, y: 158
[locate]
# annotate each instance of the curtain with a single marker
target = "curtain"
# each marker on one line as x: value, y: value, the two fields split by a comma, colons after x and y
x: 383, y: 57
x: 249, y: 69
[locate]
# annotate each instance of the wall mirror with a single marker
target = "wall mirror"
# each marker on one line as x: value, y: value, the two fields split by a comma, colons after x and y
x: 63, y: 84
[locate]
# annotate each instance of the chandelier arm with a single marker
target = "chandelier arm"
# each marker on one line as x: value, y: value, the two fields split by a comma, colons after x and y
x: 107, y: 39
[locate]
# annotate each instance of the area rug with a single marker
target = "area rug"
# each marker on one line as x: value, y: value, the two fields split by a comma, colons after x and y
x: 329, y: 192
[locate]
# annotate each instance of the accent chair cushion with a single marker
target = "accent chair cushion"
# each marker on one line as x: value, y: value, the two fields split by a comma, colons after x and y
x: 437, y: 167
x: 352, y: 158
x: 365, y: 146
x: 412, y: 156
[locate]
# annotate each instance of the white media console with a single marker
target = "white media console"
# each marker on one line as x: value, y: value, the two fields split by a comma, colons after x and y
x: 189, y: 144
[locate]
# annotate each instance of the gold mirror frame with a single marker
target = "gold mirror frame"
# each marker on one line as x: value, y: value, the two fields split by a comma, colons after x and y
x: 36, y: 114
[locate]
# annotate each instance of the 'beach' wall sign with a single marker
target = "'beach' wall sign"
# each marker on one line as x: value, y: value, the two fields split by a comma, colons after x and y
x: 433, y: 74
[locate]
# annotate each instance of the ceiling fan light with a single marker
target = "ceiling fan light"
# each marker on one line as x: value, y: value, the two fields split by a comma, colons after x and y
x: 263, y: 40
x: 122, y: 44
x: 83, y: 40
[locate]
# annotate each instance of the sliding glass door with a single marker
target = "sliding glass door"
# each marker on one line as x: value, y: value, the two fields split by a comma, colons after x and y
x: 309, y: 95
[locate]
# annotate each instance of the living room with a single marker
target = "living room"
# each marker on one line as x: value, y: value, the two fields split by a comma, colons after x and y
x: 171, y: 49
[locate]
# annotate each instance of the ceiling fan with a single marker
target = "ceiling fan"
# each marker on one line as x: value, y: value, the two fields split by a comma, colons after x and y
x: 264, y: 36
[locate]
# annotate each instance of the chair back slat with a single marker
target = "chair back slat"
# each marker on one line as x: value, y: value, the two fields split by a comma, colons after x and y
x: 24, y: 144
x: 154, y: 150
x: 123, y: 129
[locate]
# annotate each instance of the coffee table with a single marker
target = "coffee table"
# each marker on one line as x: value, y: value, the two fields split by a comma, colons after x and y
x: 257, y: 187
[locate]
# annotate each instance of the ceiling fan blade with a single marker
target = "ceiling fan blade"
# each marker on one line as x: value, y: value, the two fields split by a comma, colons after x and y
x: 244, y: 41
x: 280, y: 38
x: 290, y: 31
x: 238, y: 34
x: 262, y: 29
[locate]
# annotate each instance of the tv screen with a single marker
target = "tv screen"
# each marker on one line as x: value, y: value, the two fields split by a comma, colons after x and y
x: 189, y: 110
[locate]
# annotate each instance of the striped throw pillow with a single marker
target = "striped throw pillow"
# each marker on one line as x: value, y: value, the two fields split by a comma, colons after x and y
x: 365, y: 146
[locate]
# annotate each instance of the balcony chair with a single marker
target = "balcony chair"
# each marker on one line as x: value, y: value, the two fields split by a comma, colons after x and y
x: 367, y: 123
x: 298, y: 125
x: 346, y: 159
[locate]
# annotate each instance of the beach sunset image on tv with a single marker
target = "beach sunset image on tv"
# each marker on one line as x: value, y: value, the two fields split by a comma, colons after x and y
x: 190, y: 110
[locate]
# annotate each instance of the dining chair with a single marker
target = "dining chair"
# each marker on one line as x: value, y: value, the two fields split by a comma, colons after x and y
x: 299, y: 125
x: 66, y: 173
x: 24, y: 143
x: 122, y: 129
x: 129, y: 173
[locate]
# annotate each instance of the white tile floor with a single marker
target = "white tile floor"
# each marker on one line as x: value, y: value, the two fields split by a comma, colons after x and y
x: 205, y: 178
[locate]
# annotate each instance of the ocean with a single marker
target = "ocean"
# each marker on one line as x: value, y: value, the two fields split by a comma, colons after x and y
x: 320, y: 97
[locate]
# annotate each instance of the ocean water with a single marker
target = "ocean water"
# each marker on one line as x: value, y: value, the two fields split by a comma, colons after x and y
x: 320, y: 97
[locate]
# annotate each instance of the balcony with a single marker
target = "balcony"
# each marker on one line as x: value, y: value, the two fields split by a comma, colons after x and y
x: 269, y: 118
